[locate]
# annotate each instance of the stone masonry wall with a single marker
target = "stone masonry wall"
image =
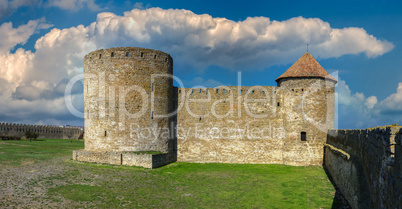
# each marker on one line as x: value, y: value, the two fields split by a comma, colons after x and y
x: 127, y: 91
x: 365, y: 165
x: 258, y: 124
x: 45, y: 132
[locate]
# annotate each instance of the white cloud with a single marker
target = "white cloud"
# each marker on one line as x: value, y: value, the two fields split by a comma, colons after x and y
x: 10, y: 37
x: 357, y: 111
x: 357, y: 99
x: 257, y: 42
x: 393, y: 104
x: 74, y: 5
x: 195, y: 41
x: 370, y: 102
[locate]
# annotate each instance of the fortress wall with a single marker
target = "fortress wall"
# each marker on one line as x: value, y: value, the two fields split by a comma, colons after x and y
x: 44, y: 131
x: 366, y: 166
x: 229, y: 125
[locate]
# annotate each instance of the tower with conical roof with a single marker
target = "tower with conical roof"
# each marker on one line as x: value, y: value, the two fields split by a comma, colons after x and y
x: 306, y: 69
x: 306, y: 105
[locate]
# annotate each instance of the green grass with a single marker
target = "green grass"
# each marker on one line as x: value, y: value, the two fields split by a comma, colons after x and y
x: 178, y: 185
x: 22, y: 152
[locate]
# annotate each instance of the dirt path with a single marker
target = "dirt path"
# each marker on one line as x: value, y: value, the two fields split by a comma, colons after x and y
x: 26, y: 186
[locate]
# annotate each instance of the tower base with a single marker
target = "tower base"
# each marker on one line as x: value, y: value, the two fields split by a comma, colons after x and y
x: 129, y: 158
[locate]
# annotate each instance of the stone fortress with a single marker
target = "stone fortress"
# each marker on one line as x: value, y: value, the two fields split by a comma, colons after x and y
x: 135, y: 116
x: 44, y: 131
x: 129, y: 90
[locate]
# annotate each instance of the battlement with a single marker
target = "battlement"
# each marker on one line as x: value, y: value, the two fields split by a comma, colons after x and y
x: 133, y: 54
x: 255, y: 91
x: 44, y: 131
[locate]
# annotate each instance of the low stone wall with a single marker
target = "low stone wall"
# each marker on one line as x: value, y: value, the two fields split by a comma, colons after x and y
x: 123, y: 158
x: 365, y: 166
x: 259, y: 151
x: 44, y: 131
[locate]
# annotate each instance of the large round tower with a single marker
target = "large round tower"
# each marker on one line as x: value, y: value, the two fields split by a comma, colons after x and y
x: 127, y: 97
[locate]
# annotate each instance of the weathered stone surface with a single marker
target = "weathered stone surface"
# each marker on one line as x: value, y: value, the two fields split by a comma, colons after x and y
x: 259, y: 124
x: 126, y: 89
x: 127, y: 98
x: 123, y: 158
x: 370, y: 178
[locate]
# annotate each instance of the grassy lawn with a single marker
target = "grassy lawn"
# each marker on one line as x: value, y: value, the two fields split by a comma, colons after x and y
x: 52, y: 179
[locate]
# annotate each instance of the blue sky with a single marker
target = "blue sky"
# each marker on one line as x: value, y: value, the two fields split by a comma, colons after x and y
x: 42, y: 44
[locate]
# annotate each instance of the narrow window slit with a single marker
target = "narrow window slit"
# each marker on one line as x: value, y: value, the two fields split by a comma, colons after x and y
x: 303, y: 136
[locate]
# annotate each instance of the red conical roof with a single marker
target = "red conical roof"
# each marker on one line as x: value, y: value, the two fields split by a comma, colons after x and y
x: 306, y: 67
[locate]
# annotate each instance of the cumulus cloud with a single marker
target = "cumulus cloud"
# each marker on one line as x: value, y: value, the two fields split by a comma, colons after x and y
x: 257, y: 42
x: 40, y: 90
x: 358, y: 111
x: 392, y: 105
x: 74, y: 5
x: 194, y: 41
x: 357, y: 99
x: 10, y: 37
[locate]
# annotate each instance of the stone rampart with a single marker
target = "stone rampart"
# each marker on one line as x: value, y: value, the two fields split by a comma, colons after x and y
x: 44, y: 131
x: 257, y: 124
x: 365, y: 165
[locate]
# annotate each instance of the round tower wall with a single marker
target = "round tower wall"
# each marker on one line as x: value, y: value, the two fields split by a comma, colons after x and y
x: 305, y: 83
x: 127, y: 91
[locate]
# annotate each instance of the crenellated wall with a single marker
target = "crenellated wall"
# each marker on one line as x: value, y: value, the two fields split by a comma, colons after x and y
x: 365, y: 165
x: 256, y: 124
x: 44, y: 131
